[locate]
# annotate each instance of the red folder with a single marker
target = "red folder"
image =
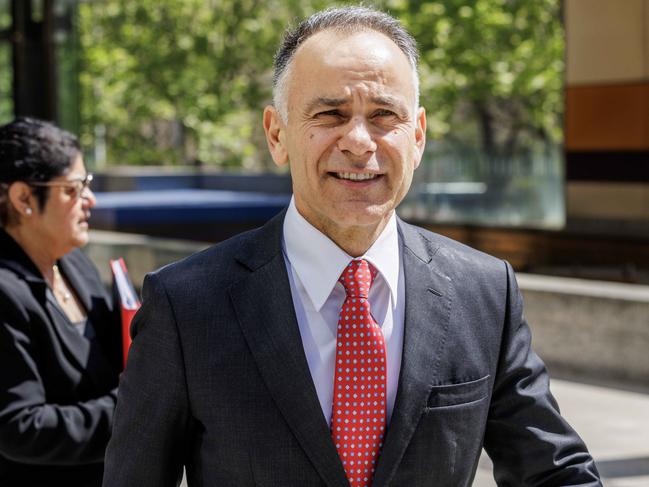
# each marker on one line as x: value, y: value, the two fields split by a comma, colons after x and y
x: 128, y: 301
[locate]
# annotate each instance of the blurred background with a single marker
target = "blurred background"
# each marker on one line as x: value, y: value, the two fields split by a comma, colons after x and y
x: 182, y: 83
x: 538, y: 115
x: 538, y: 150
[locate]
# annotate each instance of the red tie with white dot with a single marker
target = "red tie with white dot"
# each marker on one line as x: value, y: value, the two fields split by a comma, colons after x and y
x: 358, y: 419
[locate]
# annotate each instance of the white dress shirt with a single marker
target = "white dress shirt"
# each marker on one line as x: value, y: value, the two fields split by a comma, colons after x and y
x: 314, y: 264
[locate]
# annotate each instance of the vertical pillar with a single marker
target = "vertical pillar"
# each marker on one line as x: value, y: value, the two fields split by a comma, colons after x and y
x: 34, y: 63
x: 607, y: 114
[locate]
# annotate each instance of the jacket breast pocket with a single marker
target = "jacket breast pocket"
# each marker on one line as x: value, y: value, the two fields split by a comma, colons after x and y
x: 463, y: 393
x: 448, y: 438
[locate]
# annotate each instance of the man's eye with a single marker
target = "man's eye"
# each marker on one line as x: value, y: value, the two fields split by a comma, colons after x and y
x: 329, y: 113
x: 384, y: 113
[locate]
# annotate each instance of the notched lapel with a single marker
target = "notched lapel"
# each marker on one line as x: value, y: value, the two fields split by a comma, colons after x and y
x: 265, y: 311
x: 77, y: 345
x: 428, y: 306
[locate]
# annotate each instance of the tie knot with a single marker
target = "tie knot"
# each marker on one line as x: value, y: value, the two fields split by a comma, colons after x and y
x: 357, y: 278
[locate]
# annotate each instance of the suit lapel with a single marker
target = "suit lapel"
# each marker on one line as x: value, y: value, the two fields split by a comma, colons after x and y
x: 77, y: 346
x: 427, y: 311
x: 13, y: 257
x: 265, y: 311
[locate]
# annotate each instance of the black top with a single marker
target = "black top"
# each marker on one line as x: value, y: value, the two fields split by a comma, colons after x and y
x: 57, y: 386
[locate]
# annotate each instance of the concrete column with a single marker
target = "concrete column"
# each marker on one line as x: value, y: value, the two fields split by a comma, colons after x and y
x: 607, y: 112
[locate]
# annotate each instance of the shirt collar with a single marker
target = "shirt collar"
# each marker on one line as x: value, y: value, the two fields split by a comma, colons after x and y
x: 318, y: 261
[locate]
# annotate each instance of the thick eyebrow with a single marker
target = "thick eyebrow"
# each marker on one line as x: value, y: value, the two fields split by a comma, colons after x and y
x: 386, y: 101
x: 391, y: 102
x: 325, y: 102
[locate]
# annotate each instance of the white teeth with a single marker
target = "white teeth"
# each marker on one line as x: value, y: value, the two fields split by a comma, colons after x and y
x: 355, y: 176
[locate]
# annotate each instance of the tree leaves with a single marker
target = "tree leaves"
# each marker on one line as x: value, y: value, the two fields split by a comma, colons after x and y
x: 178, y: 80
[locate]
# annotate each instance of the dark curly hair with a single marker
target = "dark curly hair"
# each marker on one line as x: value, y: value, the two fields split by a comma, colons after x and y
x: 33, y: 150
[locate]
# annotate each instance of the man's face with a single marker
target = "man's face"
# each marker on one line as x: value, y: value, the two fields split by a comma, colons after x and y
x: 353, y: 136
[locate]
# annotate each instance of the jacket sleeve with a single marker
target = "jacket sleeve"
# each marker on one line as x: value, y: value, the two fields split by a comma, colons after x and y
x: 526, y: 437
x: 152, y: 417
x: 32, y: 430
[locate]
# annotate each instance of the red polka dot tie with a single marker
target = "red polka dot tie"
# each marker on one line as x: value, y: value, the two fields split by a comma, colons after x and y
x: 358, y: 419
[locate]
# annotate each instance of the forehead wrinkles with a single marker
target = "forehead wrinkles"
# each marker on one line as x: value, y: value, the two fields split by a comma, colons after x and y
x: 366, y: 55
x: 368, y: 50
x: 363, y: 86
x: 333, y: 66
x: 347, y: 83
x: 364, y: 77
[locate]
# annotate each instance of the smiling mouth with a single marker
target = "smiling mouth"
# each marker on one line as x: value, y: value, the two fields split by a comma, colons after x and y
x: 352, y: 176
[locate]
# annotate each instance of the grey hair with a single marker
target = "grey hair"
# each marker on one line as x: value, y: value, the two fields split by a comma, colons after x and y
x: 347, y: 20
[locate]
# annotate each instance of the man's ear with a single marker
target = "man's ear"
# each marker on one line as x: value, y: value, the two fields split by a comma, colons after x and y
x: 420, y: 134
x: 275, y: 135
x: 21, y: 198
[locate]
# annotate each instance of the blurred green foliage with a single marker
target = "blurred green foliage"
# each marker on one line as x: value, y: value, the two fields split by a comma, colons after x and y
x: 6, y: 103
x: 491, y: 70
x: 174, y: 81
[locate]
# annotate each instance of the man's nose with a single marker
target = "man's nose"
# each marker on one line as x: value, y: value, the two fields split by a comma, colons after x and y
x: 357, y: 139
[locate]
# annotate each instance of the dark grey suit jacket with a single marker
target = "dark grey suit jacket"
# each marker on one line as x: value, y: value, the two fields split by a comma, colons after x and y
x: 56, y: 387
x: 217, y: 379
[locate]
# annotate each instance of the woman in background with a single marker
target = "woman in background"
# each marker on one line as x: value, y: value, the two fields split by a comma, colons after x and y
x: 59, y: 339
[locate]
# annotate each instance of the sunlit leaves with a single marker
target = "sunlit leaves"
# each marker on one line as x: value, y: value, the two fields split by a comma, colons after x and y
x: 501, y: 57
x: 201, y: 67
x: 178, y: 80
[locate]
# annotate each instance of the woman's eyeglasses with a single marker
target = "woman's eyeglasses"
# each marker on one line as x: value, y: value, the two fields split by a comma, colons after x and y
x: 73, y: 187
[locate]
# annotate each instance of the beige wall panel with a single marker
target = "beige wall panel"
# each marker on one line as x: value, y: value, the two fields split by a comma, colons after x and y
x: 614, y: 117
x: 646, y: 39
x: 605, y: 40
x: 608, y: 201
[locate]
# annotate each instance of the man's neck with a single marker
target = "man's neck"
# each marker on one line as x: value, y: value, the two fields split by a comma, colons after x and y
x: 355, y: 240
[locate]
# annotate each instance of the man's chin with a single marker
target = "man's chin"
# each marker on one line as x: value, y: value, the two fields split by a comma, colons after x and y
x: 363, y: 216
x: 363, y: 213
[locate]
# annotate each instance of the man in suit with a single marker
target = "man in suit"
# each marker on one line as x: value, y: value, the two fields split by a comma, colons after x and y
x: 338, y: 345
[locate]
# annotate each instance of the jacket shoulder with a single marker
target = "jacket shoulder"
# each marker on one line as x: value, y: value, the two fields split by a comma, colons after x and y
x: 216, y: 265
x: 17, y: 302
x: 458, y: 253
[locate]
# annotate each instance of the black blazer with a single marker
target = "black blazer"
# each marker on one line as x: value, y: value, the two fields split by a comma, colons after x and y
x: 57, y: 388
x: 217, y: 379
